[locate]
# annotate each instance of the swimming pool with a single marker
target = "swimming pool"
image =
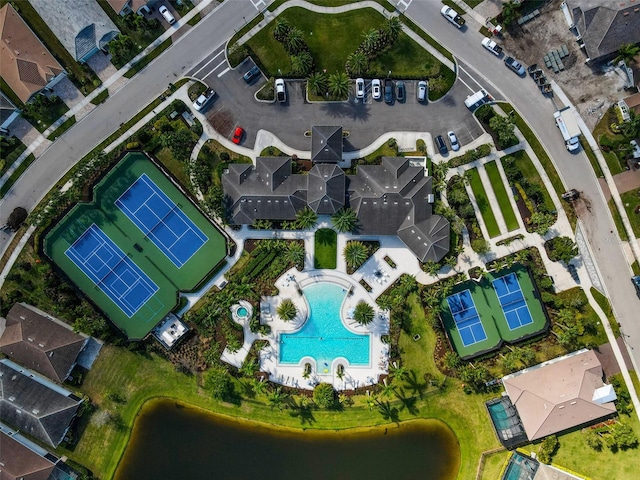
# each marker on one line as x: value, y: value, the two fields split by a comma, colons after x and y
x: 242, y: 312
x: 323, y: 336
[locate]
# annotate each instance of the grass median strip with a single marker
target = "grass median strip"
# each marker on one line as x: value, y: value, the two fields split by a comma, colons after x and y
x: 101, y: 97
x: 66, y: 125
x: 502, y: 196
x: 483, y: 203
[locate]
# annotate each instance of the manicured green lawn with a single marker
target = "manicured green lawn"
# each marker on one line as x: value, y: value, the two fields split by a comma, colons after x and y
x: 41, y: 118
x: 531, y: 174
x: 66, y: 125
x: 326, y: 248
x: 501, y: 195
x: 493, y: 465
x: 330, y: 44
x: 631, y: 202
x: 483, y: 203
x: 16, y: 174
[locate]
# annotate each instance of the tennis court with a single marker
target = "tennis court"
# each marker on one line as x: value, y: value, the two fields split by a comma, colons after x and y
x: 111, y: 270
x: 512, y: 301
x: 161, y: 220
x: 466, y: 317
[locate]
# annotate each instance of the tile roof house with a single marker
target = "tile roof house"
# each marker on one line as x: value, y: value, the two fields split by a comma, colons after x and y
x: 562, y: 393
x: 326, y: 144
x: 124, y: 7
x: 82, y: 26
x: 27, y: 66
x: 18, y: 462
x: 8, y: 113
x: 31, y: 338
x: 604, y: 25
x: 34, y: 405
x: 389, y: 199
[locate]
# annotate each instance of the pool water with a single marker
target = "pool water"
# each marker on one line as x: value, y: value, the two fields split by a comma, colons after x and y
x: 242, y: 312
x: 323, y: 336
x: 499, y: 415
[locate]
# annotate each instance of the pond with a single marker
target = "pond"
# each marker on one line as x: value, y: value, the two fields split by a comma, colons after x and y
x: 172, y: 441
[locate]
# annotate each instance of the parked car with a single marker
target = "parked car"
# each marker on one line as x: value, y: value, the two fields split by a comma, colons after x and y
x: 400, y: 91
x: 453, y: 140
x: 281, y: 90
x: 251, y: 74
x: 376, y: 89
x: 167, y: 15
x: 388, y: 90
x: 359, y: 87
x: 440, y: 145
x: 636, y: 283
x: 204, y: 99
x: 237, y: 135
x: 422, y: 91
x: 515, y: 65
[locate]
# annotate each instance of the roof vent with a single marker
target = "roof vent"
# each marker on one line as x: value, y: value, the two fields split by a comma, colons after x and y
x: 41, y: 345
x: 22, y: 317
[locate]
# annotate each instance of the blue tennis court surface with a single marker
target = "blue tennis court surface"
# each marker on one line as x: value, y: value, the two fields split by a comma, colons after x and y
x: 161, y: 220
x: 111, y: 270
x: 512, y: 301
x: 464, y: 313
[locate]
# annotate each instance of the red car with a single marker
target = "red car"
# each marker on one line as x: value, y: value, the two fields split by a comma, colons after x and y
x: 237, y: 135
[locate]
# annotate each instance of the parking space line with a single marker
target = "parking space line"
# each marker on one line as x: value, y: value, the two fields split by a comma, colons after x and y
x: 224, y: 71
x: 205, y: 65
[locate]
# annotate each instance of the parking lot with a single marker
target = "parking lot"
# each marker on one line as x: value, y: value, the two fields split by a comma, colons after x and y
x: 365, y: 119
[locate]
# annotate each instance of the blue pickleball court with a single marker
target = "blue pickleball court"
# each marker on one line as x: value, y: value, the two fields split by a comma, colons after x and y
x: 512, y: 301
x: 465, y: 314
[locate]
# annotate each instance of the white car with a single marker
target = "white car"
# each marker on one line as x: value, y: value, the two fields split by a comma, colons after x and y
x: 360, y: 88
x: 422, y: 91
x: 281, y: 92
x: 453, y: 140
x: 168, y: 16
x: 376, y: 89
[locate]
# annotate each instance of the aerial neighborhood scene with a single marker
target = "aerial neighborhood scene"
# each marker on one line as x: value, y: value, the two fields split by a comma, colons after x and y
x: 286, y: 239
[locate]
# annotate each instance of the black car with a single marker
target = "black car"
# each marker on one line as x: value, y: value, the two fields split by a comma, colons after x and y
x: 441, y: 145
x: 400, y: 91
x: 251, y: 74
x: 636, y: 283
x: 388, y: 90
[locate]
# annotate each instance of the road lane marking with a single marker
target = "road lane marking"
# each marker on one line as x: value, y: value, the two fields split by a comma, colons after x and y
x: 210, y: 72
x: 195, y: 74
x: 224, y: 71
x: 259, y: 2
x: 465, y: 84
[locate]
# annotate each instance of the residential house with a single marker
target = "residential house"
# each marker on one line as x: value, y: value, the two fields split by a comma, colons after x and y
x: 393, y: 198
x: 629, y: 104
x: 19, y: 462
x: 326, y: 144
x: 125, y: 7
x: 39, y: 342
x: 27, y: 66
x: 560, y: 394
x: 8, y: 113
x: 82, y: 26
x: 603, y: 25
x: 34, y: 405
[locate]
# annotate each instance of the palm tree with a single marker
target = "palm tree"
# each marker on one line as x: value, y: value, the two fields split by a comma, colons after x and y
x: 281, y: 29
x: 509, y: 12
x: 306, y: 218
x: 301, y: 63
x: 294, y: 253
x: 363, y: 313
x: 345, y: 220
x: 276, y: 398
x: 287, y: 310
x: 317, y: 82
x: 370, y: 42
x: 339, y: 85
x: 388, y: 389
x: 627, y: 53
x: 355, y: 254
x: 249, y: 368
x: 391, y: 29
x: 356, y: 64
x: 294, y: 42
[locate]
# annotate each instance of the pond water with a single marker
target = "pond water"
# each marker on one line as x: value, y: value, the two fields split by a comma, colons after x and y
x: 172, y: 441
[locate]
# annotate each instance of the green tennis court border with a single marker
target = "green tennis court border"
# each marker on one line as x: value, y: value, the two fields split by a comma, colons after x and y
x: 492, y: 316
x: 139, y: 248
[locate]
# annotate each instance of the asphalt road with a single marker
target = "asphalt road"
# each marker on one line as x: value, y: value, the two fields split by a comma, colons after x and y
x: 574, y: 169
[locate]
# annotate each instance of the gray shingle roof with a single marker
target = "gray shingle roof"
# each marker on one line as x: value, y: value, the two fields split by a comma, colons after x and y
x: 34, y: 405
x: 326, y: 144
x: 389, y: 199
x: 605, y: 25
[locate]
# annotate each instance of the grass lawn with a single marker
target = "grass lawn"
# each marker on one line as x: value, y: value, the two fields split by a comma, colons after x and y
x: 326, y: 248
x: 330, y: 44
x: 16, y: 174
x: 531, y: 174
x: 631, y: 202
x: 212, y: 155
x: 41, y: 118
x: 501, y: 195
x: 483, y: 203
x: 147, y: 59
x: 101, y: 97
x: 613, y: 162
x: 604, y: 304
x: 493, y: 464
x: 617, y: 219
x: 66, y: 125
x: 176, y: 167
x: 591, y: 156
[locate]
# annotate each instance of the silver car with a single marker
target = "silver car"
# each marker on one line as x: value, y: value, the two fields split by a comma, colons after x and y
x: 453, y: 140
x: 376, y: 89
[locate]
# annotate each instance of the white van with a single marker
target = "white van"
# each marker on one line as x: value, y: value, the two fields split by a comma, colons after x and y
x: 168, y: 16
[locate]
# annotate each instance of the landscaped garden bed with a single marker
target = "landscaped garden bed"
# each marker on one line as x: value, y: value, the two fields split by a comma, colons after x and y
x: 483, y: 203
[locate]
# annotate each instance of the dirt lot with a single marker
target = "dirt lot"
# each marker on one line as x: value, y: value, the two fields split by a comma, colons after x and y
x: 592, y: 89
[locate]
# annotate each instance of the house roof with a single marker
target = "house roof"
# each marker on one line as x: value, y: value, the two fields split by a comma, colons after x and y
x: 633, y: 102
x: 118, y: 5
x: 17, y: 462
x: 40, y: 344
x: 80, y: 25
x: 34, y: 405
x: 27, y: 65
x: 389, y: 199
x: 6, y: 107
x: 605, y: 25
x: 326, y: 144
x: 557, y: 395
